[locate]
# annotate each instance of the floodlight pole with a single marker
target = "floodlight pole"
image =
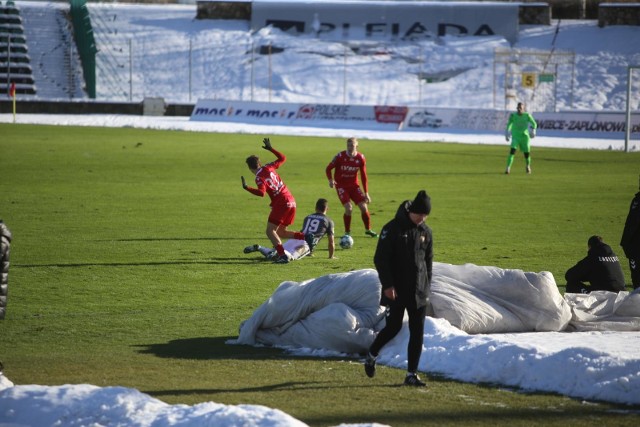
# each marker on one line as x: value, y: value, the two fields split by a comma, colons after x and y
x: 627, y: 133
x: 190, y: 65
x: 344, y: 77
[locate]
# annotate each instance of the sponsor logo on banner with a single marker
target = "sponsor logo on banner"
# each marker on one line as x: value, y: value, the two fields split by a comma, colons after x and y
x: 375, y: 20
x: 305, y: 112
x: 239, y: 111
x: 390, y: 114
x: 587, y: 125
x: 325, y: 112
x: 424, y: 119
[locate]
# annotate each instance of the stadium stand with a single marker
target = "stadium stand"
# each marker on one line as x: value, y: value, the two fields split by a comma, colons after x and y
x: 15, y: 62
x: 37, y: 52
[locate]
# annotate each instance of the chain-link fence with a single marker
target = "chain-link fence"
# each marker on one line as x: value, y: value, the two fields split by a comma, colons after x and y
x: 537, y: 78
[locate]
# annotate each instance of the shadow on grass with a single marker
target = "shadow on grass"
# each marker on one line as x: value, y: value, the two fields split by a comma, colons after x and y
x: 211, y: 348
x: 210, y: 261
x: 285, y: 386
x: 179, y: 239
x: 431, y: 173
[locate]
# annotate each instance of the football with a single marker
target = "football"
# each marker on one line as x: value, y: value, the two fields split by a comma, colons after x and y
x: 346, y: 242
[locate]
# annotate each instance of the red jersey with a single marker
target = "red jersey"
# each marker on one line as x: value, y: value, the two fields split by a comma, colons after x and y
x: 268, y: 181
x: 347, y: 168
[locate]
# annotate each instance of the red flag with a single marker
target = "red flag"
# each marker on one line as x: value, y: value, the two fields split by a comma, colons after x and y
x: 12, y: 90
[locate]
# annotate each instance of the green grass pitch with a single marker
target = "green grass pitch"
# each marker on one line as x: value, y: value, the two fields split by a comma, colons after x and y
x: 127, y: 266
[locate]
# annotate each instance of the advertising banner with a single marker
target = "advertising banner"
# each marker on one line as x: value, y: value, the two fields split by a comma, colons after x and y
x: 410, y: 119
x: 289, y: 114
x: 386, y: 20
x: 209, y: 110
x: 568, y: 124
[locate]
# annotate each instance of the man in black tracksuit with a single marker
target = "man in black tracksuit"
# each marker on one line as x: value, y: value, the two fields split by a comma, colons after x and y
x: 631, y: 240
x: 404, y: 259
x: 601, y: 268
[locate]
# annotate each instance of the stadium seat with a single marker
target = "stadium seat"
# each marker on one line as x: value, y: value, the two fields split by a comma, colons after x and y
x: 14, y: 53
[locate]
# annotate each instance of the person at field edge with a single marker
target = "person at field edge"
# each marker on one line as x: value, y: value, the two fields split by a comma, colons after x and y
x: 630, y: 241
x: 5, y: 249
x: 518, y: 131
x: 601, y: 268
x: 317, y: 224
x: 404, y: 261
x: 283, y: 205
x: 345, y: 180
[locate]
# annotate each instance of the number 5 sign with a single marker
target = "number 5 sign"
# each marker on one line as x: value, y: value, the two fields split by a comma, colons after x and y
x: 528, y: 80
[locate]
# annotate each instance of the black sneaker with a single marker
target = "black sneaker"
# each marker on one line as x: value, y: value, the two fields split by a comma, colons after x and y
x: 311, y: 241
x: 282, y: 259
x: 252, y: 248
x: 414, y: 380
x: 370, y: 365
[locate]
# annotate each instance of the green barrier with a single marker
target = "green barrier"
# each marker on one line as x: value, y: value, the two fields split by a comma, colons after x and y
x: 83, y: 35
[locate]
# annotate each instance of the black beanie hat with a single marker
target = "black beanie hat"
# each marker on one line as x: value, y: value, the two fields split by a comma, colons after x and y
x: 594, y: 241
x: 421, y: 204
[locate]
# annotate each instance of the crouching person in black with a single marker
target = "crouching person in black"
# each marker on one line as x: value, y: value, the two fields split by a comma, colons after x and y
x: 5, y: 243
x: 601, y: 268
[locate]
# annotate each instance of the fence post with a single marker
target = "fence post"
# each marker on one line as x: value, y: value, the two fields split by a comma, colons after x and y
x: 253, y: 61
x: 270, y: 71
x: 627, y: 133
x: 344, y: 78
x: 420, y: 76
x: 130, y: 71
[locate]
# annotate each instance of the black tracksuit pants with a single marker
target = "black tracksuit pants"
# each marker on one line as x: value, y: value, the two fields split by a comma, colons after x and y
x: 393, y: 326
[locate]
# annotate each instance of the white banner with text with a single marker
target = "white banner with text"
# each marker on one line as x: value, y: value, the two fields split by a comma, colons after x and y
x: 387, y: 20
x: 313, y: 115
x: 411, y: 119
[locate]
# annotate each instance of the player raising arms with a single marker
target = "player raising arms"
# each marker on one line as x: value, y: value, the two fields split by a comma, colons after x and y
x: 283, y: 205
x: 347, y: 164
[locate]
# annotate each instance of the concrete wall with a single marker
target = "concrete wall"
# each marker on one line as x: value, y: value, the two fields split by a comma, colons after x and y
x: 535, y: 13
x: 619, y: 14
x: 224, y: 10
x: 531, y: 12
x: 88, y: 107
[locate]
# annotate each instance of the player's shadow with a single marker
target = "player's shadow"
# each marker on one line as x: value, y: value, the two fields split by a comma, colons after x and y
x: 179, y: 239
x: 209, y: 261
x: 210, y: 348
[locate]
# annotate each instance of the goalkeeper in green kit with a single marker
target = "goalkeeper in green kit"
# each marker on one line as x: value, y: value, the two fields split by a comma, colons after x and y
x: 518, y: 129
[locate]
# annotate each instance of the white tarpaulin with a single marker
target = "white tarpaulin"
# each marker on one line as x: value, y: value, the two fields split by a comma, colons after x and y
x: 338, y: 312
x: 605, y: 311
x: 341, y: 312
x: 490, y: 299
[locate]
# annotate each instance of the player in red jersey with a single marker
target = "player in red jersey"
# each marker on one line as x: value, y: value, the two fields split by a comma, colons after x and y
x: 347, y: 164
x: 283, y: 205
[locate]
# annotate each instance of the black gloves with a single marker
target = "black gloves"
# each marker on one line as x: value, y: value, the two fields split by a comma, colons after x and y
x: 244, y: 183
x: 267, y: 144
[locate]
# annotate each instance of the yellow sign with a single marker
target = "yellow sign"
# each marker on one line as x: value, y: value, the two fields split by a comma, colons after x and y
x: 528, y: 80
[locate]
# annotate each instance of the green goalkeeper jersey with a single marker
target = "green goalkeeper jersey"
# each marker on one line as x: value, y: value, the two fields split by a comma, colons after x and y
x: 518, y: 124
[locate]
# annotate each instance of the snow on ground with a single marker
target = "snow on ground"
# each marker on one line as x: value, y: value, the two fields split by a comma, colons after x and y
x: 163, y: 51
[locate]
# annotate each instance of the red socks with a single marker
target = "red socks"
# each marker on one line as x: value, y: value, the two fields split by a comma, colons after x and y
x: 347, y: 223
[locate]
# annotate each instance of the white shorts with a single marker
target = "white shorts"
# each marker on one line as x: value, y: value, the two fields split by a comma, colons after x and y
x: 296, y: 249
